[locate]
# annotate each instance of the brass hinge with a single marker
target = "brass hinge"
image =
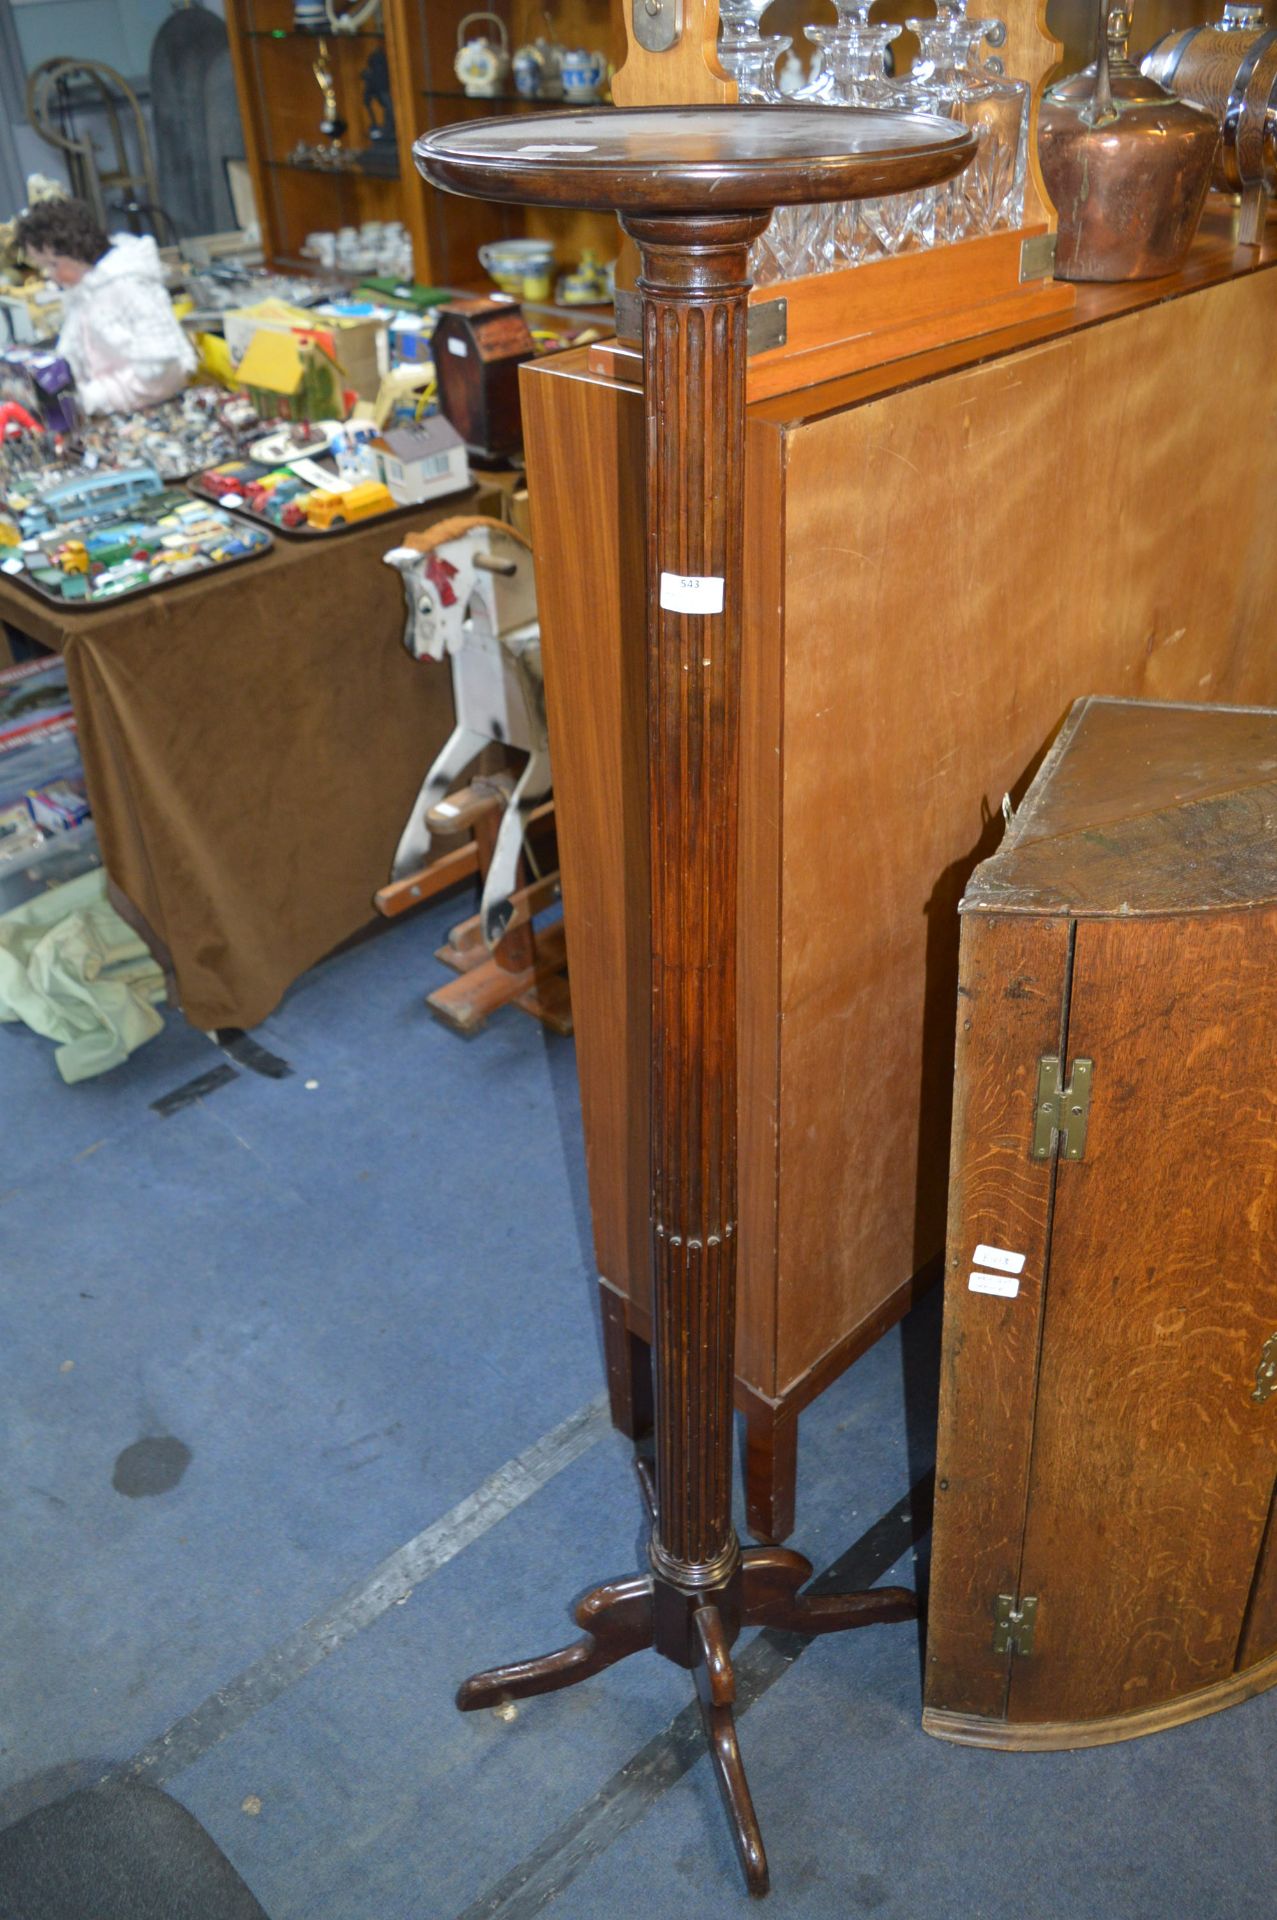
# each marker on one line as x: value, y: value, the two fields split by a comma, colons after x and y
x: 1061, y: 1110
x: 1013, y: 1626
x: 1266, y: 1371
x: 1037, y: 257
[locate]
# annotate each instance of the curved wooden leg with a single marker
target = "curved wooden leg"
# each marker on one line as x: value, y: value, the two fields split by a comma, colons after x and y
x: 716, y: 1689
x: 618, y: 1621
x: 771, y: 1577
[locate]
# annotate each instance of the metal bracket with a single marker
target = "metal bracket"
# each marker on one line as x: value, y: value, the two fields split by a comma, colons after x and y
x: 1037, y: 257
x: 656, y: 23
x: 1013, y: 1626
x: 629, y: 315
x: 1061, y: 1110
x: 1266, y: 1371
x: 767, y: 325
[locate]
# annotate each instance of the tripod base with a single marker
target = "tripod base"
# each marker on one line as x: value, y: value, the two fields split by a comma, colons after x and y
x: 624, y: 1616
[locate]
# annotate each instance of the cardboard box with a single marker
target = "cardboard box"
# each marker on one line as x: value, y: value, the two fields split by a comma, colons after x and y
x: 356, y: 344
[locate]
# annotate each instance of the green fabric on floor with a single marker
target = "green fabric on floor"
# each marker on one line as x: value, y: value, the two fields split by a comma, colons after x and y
x: 74, y: 972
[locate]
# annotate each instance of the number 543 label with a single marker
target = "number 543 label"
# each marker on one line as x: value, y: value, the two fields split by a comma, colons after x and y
x: 692, y: 593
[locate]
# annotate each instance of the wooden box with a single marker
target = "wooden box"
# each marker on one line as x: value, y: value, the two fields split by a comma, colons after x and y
x: 1105, y: 1562
x: 478, y: 347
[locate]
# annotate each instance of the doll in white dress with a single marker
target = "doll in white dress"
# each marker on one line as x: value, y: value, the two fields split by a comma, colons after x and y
x: 119, y: 335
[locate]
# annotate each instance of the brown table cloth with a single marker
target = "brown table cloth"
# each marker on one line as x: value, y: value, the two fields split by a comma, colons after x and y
x: 252, y: 742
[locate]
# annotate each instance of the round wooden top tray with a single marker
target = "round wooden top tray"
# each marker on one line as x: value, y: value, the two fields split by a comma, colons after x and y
x: 695, y: 159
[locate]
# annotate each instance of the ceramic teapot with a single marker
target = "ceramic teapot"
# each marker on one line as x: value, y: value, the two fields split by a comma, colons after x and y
x: 584, y: 72
x: 538, y: 70
x: 482, y: 65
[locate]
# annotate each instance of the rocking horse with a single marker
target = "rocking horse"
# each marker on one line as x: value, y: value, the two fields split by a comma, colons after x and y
x: 471, y: 598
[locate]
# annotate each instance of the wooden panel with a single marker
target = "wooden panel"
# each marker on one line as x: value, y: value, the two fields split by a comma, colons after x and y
x: 687, y: 72
x: 963, y: 559
x: 405, y: 54
x: 758, y: 942
x: 584, y: 444
x: 837, y: 323
x: 248, y: 98
x: 1152, y: 1466
x: 1142, y: 807
x: 1010, y: 1005
x: 956, y: 572
x: 1044, y: 1736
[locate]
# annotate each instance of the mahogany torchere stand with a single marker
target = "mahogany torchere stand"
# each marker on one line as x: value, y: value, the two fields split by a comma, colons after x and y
x: 694, y: 187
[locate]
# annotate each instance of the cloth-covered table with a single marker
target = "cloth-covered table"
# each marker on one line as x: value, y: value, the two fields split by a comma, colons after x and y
x: 252, y: 741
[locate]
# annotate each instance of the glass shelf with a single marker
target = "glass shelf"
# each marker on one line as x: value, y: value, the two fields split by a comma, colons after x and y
x: 352, y: 168
x: 305, y: 33
x: 510, y: 100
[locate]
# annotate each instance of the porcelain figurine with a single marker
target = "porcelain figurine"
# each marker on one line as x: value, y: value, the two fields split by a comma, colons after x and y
x: 584, y: 72
x: 538, y: 70
x: 588, y: 284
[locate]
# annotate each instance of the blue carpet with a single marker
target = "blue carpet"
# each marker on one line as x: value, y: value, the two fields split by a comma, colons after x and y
x: 319, y: 1312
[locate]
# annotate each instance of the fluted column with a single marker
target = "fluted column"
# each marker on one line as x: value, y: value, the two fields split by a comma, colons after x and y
x: 694, y: 285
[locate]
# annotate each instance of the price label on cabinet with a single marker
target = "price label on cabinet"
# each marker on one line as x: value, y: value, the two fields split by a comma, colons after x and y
x: 692, y: 593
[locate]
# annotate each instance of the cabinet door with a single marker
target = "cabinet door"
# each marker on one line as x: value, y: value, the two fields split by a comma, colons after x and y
x: 1152, y: 1465
x: 1011, y: 995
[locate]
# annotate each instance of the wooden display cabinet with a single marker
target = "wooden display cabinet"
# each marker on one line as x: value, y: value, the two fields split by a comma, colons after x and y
x: 447, y: 231
x: 281, y: 104
x: 1105, y: 1561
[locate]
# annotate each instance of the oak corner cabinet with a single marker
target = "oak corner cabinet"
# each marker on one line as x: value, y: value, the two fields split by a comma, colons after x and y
x: 1105, y: 1559
x: 941, y: 555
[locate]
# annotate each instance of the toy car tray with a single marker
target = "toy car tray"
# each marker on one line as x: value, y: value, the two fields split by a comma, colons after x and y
x: 328, y: 465
x: 91, y: 605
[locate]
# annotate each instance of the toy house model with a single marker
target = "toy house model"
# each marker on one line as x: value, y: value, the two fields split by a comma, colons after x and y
x: 288, y: 377
x: 418, y: 462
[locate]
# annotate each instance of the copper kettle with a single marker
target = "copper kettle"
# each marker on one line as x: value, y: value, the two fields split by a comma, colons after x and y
x: 1126, y: 163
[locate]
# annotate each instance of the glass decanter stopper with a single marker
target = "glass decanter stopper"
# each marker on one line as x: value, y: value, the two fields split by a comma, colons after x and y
x: 747, y: 56
x: 852, y: 15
